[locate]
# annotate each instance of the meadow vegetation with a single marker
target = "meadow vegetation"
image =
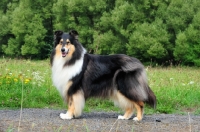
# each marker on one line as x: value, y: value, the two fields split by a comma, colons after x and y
x: 27, y: 81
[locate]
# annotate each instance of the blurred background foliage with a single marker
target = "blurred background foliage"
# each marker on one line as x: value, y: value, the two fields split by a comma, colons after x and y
x: 161, y: 32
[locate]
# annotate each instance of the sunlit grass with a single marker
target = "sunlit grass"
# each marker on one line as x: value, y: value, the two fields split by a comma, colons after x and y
x: 35, y: 76
x: 177, y: 89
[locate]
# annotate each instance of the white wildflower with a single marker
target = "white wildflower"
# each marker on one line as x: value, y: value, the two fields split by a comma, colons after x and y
x: 183, y: 84
x: 191, y: 82
x: 38, y: 78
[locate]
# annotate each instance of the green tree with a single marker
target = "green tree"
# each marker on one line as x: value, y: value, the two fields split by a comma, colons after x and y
x: 31, y: 25
x: 115, y: 25
x: 3, y: 6
x: 177, y: 15
x: 187, y: 49
x: 149, y: 41
x: 28, y: 30
x: 80, y: 15
x: 6, y: 10
x: 157, y: 30
x: 4, y: 24
x: 126, y: 20
x: 44, y: 11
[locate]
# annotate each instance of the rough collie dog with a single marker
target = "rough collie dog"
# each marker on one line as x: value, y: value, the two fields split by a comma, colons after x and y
x: 78, y: 76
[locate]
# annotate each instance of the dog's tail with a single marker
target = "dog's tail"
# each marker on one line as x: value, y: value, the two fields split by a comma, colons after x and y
x: 151, y: 99
x: 132, y: 81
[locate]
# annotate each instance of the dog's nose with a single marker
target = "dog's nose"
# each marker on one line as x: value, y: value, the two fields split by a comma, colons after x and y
x: 63, y: 49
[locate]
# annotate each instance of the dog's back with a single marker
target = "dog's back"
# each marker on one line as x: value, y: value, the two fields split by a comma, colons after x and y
x: 126, y: 74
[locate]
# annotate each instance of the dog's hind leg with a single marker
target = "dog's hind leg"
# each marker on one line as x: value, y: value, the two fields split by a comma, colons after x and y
x: 140, y: 109
x: 127, y: 115
x: 124, y: 103
x: 75, y: 106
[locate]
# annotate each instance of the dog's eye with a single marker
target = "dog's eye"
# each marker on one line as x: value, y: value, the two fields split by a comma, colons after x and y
x: 61, y: 42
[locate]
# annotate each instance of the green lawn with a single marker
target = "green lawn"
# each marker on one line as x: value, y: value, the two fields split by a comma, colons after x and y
x: 29, y: 83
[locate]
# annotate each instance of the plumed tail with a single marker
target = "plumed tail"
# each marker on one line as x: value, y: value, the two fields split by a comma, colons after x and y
x: 151, y: 99
x: 132, y: 82
x: 129, y: 64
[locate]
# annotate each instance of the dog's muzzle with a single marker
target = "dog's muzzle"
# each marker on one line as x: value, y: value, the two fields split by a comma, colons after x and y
x: 64, y: 51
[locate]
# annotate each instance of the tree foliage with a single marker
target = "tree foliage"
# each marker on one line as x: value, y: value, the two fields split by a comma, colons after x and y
x: 149, y: 41
x: 151, y: 30
x: 187, y: 46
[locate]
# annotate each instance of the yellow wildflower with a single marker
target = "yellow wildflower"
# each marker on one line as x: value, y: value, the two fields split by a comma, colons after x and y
x: 16, y: 80
x: 27, y: 81
x: 8, y: 77
x: 20, y: 76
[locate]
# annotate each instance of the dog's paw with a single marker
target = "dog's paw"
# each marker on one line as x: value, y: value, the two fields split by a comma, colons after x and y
x: 135, y: 119
x: 65, y: 116
x: 121, y: 117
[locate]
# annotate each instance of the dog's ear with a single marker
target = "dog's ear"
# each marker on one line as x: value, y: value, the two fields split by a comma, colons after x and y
x: 57, y: 37
x: 58, y: 33
x: 74, y: 33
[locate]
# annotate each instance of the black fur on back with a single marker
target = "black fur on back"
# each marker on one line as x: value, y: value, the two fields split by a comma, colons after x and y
x: 98, y: 78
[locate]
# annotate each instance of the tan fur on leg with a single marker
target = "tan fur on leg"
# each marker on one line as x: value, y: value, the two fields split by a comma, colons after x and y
x: 124, y: 103
x: 70, y: 111
x: 79, y: 103
x: 139, y: 107
x: 127, y: 115
x: 75, y: 106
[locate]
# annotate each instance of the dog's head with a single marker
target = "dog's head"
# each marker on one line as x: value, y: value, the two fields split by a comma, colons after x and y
x: 64, y: 42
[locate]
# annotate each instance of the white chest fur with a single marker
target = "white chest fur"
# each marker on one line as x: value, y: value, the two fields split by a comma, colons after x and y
x: 61, y: 74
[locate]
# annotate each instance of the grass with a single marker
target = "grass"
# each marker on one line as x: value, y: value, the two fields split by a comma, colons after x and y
x: 35, y: 76
x: 177, y: 89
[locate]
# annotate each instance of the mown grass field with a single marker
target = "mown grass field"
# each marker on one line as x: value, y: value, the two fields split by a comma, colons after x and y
x: 28, y: 83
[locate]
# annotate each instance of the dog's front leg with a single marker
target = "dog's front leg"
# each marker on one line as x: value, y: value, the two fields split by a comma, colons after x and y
x: 75, y: 105
x: 70, y: 112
